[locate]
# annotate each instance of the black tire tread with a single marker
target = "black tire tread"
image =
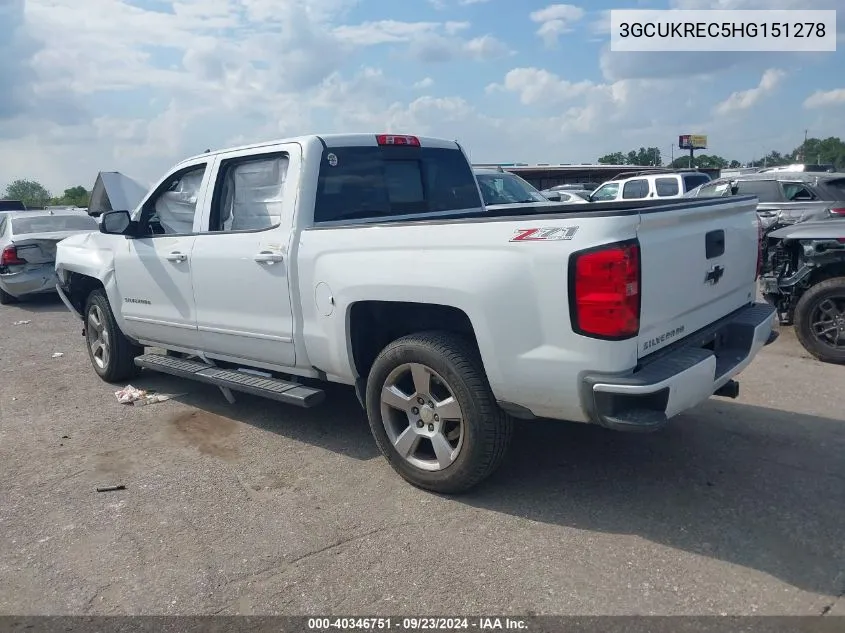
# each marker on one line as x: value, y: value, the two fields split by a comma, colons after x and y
x: 496, y: 425
x: 802, y: 321
x: 123, y: 352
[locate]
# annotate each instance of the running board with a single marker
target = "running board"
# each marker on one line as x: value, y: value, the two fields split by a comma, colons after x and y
x: 273, y: 388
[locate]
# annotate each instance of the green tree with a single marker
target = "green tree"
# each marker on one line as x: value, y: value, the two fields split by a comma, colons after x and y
x: 704, y: 161
x: 649, y: 156
x: 30, y: 192
x: 734, y: 164
x: 816, y: 150
x: 643, y: 156
x: 616, y: 158
x: 77, y: 196
x: 773, y: 159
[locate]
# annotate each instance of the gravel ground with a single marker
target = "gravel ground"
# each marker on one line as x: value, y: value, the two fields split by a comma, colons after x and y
x: 256, y: 508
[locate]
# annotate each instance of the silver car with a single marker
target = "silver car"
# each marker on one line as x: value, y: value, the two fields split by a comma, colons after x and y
x: 28, y: 242
x: 502, y: 190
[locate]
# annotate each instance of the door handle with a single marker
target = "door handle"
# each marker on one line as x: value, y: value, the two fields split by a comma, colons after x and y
x: 268, y: 257
x: 176, y: 256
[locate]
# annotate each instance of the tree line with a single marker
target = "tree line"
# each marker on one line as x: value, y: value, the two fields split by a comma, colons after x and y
x: 826, y: 151
x: 34, y: 195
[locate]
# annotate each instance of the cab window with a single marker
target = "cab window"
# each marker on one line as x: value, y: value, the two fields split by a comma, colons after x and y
x: 666, y: 187
x: 797, y: 192
x: 635, y: 189
x: 606, y: 192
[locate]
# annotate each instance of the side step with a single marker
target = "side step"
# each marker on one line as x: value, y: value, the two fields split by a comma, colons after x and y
x: 273, y: 388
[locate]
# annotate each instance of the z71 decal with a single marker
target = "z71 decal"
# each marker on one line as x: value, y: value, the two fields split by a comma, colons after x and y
x: 547, y: 234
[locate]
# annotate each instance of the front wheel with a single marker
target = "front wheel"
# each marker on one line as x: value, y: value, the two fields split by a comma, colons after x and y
x: 433, y: 415
x: 820, y: 320
x: 112, y: 354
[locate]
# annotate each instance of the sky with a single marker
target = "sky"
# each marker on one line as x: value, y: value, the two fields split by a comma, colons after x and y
x: 137, y: 85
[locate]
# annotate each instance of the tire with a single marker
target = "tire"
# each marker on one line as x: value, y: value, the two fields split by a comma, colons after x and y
x: 6, y: 298
x: 112, y: 354
x: 820, y: 308
x: 475, y: 446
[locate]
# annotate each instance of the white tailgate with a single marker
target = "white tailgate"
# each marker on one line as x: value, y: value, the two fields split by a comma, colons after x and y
x: 677, y: 298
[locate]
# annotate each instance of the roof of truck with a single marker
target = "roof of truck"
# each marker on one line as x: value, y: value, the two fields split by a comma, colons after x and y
x: 331, y: 140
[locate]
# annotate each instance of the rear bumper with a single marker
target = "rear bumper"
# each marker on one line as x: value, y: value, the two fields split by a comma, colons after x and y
x: 36, y: 280
x: 683, y: 376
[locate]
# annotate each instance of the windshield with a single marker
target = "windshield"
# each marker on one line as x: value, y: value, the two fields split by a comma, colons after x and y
x: 53, y: 223
x: 505, y: 188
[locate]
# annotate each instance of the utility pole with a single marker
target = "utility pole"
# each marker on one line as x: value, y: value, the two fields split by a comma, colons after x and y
x: 804, y: 148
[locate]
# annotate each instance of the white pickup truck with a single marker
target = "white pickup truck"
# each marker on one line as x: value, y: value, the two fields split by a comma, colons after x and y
x: 370, y: 260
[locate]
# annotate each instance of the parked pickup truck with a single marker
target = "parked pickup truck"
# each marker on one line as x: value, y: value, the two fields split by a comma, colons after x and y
x: 370, y: 260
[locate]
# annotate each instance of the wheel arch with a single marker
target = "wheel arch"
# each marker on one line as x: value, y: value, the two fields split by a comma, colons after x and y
x: 372, y: 325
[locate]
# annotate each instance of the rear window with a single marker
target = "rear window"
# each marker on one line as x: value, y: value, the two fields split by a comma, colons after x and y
x: 49, y: 224
x: 374, y: 182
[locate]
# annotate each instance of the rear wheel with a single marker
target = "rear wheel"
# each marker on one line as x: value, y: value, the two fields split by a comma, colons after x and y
x: 6, y: 298
x: 820, y: 320
x: 433, y: 414
x: 112, y: 354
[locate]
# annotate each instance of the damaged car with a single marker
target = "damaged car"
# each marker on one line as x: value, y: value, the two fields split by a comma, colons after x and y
x: 804, y: 279
x: 28, y: 243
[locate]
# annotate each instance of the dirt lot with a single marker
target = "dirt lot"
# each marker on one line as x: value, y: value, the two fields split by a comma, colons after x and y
x: 737, y: 508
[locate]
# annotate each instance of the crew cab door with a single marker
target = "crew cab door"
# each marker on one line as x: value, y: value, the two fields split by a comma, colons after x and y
x: 241, y: 270
x: 153, y: 270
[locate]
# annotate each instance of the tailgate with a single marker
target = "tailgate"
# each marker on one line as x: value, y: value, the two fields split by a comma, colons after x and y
x: 698, y: 264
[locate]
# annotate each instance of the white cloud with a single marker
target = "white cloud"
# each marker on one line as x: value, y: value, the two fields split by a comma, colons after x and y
x: 825, y: 98
x: 422, y: 84
x: 536, y: 86
x: 745, y: 99
x: 555, y: 20
x: 136, y: 90
x: 428, y: 41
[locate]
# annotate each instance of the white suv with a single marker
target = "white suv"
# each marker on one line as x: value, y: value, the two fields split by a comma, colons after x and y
x: 650, y: 185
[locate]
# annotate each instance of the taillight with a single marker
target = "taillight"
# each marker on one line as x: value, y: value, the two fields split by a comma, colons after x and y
x: 759, y: 249
x: 838, y: 211
x: 605, y: 291
x: 397, y: 139
x: 9, y: 257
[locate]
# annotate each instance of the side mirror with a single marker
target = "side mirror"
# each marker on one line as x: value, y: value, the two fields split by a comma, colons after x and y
x: 116, y: 223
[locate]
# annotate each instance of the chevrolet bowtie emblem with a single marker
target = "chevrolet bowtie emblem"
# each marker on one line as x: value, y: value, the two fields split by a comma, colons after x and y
x: 714, y: 275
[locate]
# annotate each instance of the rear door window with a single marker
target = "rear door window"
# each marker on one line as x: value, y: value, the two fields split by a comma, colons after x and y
x: 765, y: 190
x: 374, y: 182
x: 635, y: 189
x: 797, y: 192
x: 666, y: 187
